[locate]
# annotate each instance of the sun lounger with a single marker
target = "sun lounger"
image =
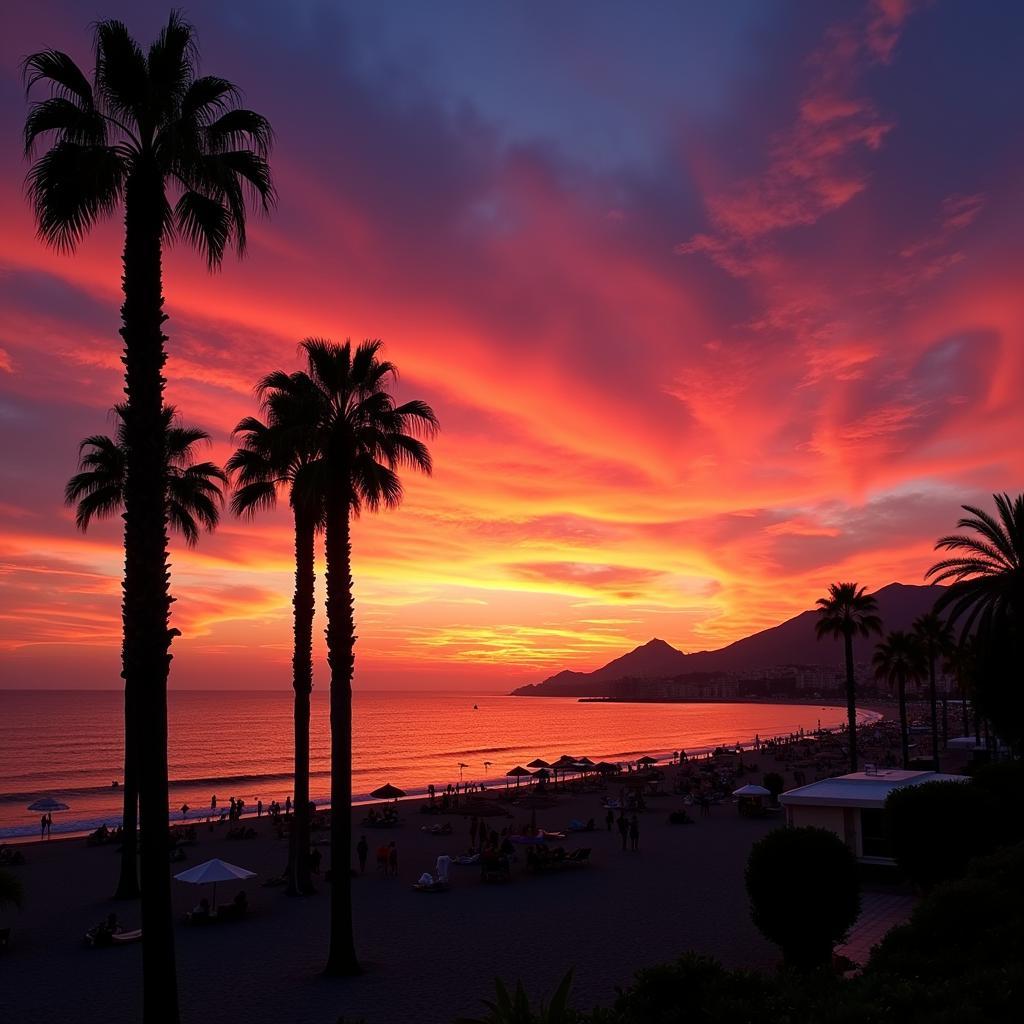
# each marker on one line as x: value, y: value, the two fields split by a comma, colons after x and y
x: 124, y: 938
x: 436, y: 886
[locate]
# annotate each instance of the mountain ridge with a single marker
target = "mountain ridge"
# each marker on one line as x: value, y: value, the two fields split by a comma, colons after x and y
x: 792, y: 642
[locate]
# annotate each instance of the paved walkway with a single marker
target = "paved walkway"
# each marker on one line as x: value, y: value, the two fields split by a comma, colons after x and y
x: 881, y: 909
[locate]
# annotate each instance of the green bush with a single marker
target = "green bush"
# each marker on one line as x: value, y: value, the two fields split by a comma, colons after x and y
x: 934, y: 829
x: 515, y: 1008
x: 804, y: 892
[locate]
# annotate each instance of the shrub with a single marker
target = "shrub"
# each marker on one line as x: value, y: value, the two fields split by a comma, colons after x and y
x: 936, y: 828
x: 1004, y: 784
x: 775, y: 784
x: 515, y: 1008
x: 804, y: 893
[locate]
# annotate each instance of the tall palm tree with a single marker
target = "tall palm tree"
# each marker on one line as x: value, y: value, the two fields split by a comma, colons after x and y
x: 146, y: 132
x: 280, y: 455
x: 193, y: 503
x: 848, y: 611
x: 898, y: 659
x: 362, y: 440
x: 936, y: 638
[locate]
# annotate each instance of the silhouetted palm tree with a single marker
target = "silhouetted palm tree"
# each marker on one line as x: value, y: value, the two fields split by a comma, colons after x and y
x: 148, y: 133
x: 988, y: 577
x: 281, y: 454
x: 962, y: 662
x: 898, y: 659
x: 848, y: 612
x: 363, y: 439
x: 936, y: 638
x: 193, y: 502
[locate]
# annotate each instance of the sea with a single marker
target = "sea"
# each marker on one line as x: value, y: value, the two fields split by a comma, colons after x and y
x: 68, y: 744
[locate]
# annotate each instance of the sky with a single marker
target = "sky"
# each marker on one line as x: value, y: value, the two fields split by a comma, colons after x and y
x: 716, y: 303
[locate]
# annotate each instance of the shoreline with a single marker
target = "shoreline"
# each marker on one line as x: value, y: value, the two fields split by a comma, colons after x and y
x: 419, y: 795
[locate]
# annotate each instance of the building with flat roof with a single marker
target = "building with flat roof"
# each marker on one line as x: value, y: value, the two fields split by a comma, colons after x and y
x: 852, y: 806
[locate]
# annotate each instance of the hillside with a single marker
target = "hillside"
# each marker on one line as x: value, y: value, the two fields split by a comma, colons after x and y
x: 793, y: 642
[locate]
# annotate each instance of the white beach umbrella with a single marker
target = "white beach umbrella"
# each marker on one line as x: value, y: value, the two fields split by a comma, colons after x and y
x: 751, y: 790
x: 213, y: 871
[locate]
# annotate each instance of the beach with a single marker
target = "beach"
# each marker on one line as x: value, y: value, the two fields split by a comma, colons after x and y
x: 428, y: 957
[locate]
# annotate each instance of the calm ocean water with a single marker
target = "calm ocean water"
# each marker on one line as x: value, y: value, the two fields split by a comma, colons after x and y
x: 68, y: 744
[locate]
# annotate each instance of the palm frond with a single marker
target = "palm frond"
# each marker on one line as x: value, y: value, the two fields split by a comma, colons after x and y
x: 70, y: 121
x: 238, y: 129
x: 67, y: 81
x: 70, y: 187
x: 205, y: 224
x: 170, y: 65
x: 121, y: 76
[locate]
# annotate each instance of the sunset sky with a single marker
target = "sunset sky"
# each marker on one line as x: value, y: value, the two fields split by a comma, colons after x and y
x: 717, y: 303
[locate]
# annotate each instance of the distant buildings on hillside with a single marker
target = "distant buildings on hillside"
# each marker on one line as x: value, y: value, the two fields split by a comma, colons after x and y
x: 773, y: 681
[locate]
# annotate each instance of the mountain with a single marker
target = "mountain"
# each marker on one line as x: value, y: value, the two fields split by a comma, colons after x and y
x: 793, y: 642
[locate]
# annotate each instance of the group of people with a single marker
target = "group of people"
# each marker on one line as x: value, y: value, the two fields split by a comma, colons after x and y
x: 45, y: 825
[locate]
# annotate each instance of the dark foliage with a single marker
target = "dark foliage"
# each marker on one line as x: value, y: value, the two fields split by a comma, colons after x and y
x: 804, y: 892
x: 936, y: 828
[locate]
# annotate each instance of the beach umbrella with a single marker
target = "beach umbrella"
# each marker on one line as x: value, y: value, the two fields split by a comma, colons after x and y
x: 47, y: 804
x: 387, y: 792
x: 213, y: 871
x: 538, y: 762
x: 462, y: 764
x: 606, y: 767
x: 517, y: 773
x: 751, y: 790
x: 647, y: 759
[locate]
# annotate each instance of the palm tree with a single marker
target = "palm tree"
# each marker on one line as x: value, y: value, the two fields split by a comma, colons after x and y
x: 362, y: 440
x: 988, y: 577
x: 147, y: 133
x: 936, y: 638
x: 193, y: 502
x: 848, y: 611
x: 962, y: 662
x: 899, y: 659
x: 277, y: 455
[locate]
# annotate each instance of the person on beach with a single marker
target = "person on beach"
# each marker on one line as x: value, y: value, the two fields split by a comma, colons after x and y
x: 259, y: 808
x: 239, y: 807
x: 634, y: 834
x: 623, y: 830
x: 609, y: 819
x: 49, y: 823
x: 287, y: 806
x: 393, y: 860
x: 42, y: 826
x: 314, y: 860
x: 184, y: 811
x: 362, y: 849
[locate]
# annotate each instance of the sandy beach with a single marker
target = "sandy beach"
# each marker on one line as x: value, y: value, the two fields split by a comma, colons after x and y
x: 429, y: 957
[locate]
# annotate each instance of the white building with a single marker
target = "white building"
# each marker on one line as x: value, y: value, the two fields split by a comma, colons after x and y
x: 851, y: 806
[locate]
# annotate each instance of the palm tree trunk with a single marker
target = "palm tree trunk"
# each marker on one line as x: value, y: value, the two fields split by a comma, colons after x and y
x: 299, y: 881
x: 341, y: 640
x: 945, y: 721
x: 147, y: 601
x: 963, y: 711
x: 851, y: 700
x: 904, y: 740
x: 932, y: 700
x: 128, y: 880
